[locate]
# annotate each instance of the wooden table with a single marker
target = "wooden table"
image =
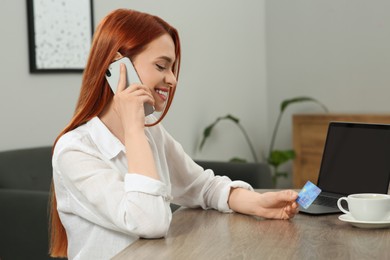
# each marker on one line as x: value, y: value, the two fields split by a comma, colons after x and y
x: 208, y: 234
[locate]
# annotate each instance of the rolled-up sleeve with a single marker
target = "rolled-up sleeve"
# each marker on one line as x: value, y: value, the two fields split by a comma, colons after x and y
x: 193, y: 186
x: 140, y: 183
x: 223, y: 205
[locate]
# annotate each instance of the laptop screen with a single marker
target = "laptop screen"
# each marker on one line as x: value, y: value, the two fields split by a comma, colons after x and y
x: 356, y: 159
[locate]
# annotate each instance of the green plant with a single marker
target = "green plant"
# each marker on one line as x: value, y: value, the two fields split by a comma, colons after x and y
x: 275, y: 157
x: 207, y: 132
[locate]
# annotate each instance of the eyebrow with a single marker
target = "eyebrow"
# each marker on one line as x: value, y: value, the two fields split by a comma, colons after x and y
x: 166, y: 58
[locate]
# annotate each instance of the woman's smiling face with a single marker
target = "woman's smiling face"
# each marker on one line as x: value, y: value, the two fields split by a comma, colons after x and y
x: 154, y: 66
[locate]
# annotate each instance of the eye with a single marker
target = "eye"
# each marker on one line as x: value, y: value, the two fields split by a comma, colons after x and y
x: 160, y: 67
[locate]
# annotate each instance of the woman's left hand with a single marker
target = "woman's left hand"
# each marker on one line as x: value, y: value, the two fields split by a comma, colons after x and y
x: 272, y: 205
x: 278, y: 205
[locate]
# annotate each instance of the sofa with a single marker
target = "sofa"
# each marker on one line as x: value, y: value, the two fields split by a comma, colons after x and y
x: 25, y: 179
x: 258, y: 175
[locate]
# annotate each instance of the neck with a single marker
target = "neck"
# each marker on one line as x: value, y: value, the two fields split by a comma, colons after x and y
x: 110, y: 118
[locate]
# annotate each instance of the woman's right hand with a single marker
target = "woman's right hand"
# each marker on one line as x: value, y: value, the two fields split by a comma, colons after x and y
x: 129, y: 102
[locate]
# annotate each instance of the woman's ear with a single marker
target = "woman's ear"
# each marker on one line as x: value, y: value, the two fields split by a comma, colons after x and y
x: 118, y: 56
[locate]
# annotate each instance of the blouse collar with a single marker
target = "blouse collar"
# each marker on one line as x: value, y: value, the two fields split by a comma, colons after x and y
x: 106, y: 142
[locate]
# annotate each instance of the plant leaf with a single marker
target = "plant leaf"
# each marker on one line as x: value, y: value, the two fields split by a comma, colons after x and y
x: 238, y: 160
x: 288, y: 102
x: 234, y: 119
x: 207, y: 131
x: 279, y: 157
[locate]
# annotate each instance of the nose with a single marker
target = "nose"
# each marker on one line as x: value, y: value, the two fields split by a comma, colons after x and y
x: 170, y: 79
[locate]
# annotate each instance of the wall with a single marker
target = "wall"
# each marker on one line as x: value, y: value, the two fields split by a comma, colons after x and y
x: 33, y: 108
x: 223, y: 71
x: 241, y: 58
x: 337, y: 51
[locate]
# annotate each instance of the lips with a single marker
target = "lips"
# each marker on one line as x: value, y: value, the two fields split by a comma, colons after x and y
x: 162, y: 93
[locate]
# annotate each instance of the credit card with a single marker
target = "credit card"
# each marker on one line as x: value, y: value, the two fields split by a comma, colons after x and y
x: 308, y: 194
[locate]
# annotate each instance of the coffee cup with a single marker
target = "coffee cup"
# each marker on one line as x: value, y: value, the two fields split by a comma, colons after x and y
x: 367, y: 206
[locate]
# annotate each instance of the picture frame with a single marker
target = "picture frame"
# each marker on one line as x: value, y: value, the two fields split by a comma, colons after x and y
x: 59, y: 34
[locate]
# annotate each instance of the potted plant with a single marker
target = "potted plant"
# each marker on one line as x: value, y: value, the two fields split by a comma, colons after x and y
x: 275, y: 158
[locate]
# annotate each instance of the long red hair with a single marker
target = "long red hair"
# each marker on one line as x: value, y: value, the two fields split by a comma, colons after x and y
x: 128, y: 32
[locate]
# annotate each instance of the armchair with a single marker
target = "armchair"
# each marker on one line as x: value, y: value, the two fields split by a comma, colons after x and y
x: 256, y: 174
x: 25, y: 178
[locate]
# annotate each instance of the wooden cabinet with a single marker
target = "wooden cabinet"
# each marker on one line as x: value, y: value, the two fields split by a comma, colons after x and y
x: 309, y: 134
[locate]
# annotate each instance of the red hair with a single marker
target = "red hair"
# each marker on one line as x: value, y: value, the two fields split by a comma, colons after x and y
x: 128, y: 32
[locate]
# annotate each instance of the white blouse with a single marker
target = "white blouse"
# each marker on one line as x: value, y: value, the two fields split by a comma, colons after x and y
x: 104, y: 208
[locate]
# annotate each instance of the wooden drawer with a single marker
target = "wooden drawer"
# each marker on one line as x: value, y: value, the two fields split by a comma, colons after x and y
x: 311, y: 137
x: 309, y: 167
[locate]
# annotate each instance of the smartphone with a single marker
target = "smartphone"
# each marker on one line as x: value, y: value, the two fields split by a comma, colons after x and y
x: 113, y: 73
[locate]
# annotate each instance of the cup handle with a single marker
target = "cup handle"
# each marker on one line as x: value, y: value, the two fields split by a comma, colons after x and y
x: 340, y: 206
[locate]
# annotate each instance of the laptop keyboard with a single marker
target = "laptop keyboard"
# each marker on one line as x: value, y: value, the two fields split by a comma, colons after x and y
x: 326, y: 201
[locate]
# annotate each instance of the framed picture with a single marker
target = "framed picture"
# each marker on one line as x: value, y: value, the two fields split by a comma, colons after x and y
x: 59, y: 34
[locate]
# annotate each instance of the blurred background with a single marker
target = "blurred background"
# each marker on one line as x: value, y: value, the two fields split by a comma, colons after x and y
x: 238, y: 57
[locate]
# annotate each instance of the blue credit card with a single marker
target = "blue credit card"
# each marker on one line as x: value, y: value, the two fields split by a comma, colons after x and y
x: 308, y: 194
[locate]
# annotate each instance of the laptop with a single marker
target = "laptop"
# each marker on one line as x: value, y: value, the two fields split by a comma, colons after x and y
x: 356, y: 159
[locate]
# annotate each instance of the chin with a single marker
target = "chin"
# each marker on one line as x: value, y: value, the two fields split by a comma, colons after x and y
x: 159, y: 108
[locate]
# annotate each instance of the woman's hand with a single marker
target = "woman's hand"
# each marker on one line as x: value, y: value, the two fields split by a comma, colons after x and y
x: 272, y: 205
x: 129, y: 102
x: 129, y: 105
x: 279, y: 205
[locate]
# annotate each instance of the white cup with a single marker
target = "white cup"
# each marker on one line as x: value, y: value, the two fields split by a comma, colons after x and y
x: 367, y: 206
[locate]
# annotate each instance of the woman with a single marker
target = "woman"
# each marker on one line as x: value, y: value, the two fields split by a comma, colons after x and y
x: 114, y: 178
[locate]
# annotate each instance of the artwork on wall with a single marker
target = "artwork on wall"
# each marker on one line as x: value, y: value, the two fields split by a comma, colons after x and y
x: 60, y: 33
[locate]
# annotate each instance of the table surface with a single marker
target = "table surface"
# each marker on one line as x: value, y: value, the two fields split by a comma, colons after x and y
x: 209, y: 234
